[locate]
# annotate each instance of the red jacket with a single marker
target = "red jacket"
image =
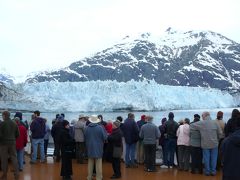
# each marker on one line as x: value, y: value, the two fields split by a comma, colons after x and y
x: 21, y: 141
x: 108, y: 128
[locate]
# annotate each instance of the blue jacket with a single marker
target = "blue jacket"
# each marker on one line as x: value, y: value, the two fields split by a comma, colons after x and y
x: 231, y: 157
x: 130, y: 131
x: 95, y: 135
x: 38, y: 128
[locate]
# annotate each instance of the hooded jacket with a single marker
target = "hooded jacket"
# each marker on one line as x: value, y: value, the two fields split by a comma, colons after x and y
x: 231, y: 157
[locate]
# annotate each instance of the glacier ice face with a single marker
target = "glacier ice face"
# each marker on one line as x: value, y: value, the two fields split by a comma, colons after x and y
x: 112, y: 95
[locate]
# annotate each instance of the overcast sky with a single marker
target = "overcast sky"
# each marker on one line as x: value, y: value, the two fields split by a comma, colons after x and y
x: 38, y: 35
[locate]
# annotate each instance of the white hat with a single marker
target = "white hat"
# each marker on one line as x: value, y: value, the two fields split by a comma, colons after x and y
x: 94, y: 119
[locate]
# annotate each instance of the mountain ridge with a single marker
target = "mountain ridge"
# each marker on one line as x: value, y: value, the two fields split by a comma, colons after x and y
x: 192, y: 58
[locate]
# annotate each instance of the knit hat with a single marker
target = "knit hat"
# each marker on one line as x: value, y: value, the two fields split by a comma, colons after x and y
x: 220, y: 114
x: 117, y: 123
x: 143, y: 117
x: 19, y: 115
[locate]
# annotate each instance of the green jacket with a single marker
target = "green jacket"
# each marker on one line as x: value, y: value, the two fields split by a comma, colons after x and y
x: 8, y: 132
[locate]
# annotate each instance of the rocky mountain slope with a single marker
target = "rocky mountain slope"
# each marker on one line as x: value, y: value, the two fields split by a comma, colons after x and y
x: 193, y: 58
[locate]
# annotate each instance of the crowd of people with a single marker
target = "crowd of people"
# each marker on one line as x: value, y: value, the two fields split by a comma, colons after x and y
x: 201, y: 146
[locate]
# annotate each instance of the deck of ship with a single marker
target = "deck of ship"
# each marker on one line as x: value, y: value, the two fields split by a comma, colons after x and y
x: 51, y: 171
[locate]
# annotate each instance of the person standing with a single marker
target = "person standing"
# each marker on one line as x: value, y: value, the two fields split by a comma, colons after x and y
x: 38, y: 128
x: 131, y: 135
x: 196, y: 150
x: 67, y: 151
x: 21, y: 142
x: 171, y: 140
x: 150, y: 135
x: 162, y: 139
x: 210, y: 134
x: 8, y: 134
x: 115, y: 144
x: 183, y: 134
x: 231, y: 125
x: 46, y: 137
x: 219, y: 120
x: 79, y: 138
x: 140, y: 147
x: 230, y: 152
x: 95, y: 136
x: 55, y: 132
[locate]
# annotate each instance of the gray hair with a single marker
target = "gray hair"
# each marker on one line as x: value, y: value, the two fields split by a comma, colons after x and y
x: 206, y: 116
x: 149, y: 118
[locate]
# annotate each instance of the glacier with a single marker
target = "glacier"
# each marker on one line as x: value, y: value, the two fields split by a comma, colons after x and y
x: 99, y: 96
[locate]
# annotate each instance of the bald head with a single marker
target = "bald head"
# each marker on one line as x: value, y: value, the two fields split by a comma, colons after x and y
x: 5, y: 115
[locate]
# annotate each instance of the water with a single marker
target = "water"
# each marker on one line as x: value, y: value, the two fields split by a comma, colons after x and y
x: 157, y: 115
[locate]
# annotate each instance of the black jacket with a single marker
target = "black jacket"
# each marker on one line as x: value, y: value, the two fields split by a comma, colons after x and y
x: 171, y: 129
x: 231, y: 156
x: 116, y: 137
x: 56, y: 131
x: 230, y: 127
x: 115, y: 140
x: 67, y: 143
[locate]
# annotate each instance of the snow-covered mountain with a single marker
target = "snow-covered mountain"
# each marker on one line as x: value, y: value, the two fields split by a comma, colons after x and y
x: 193, y: 58
x: 5, y: 77
x: 111, y: 96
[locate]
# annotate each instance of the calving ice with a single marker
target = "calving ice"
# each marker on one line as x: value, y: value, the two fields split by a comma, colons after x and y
x: 113, y: 95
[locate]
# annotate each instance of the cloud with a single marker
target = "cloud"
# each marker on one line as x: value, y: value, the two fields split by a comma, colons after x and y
x: 43, y: 34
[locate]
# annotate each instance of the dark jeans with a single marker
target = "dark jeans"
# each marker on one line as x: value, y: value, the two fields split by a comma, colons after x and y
x: 45, y: 146
x: 57, y: 148
x: 130, y: 154
x: 170, y: 148
x: 196, y: 155
x: 66, y: 167
x: 150, y: 156
x: 219, y: 160
x: 116, y: 165
x: 183, y: 157
x: 80, y: 151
